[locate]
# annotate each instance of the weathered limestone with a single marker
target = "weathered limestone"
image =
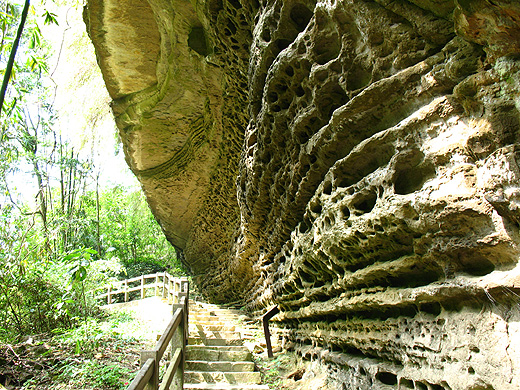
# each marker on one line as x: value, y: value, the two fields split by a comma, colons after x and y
x: 355, y: 162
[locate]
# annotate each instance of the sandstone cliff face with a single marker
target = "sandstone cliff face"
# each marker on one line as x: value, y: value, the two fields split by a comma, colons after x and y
x: 355, y: 162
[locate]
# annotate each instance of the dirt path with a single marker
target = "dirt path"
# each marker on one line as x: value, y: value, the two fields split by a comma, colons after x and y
x: 153, y: 313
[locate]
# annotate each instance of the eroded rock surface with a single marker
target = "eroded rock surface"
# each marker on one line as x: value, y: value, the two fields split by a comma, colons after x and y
x: 355, y: 162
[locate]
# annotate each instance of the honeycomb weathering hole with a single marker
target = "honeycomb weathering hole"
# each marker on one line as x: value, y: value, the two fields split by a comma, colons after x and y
x: 387, y: 378
x: 301, y: 15
x: 412, y: 172
x: 197, y: 41
x: 476, y: 264
x: 366, y: 202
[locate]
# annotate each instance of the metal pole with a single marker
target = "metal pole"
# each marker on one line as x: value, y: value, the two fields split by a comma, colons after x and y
x: 265, y: 320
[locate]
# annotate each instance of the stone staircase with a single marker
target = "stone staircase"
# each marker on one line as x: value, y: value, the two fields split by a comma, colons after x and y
x: 216, y: 356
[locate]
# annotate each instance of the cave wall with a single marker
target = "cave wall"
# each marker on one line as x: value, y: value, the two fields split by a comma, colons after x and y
x: 355, y: 162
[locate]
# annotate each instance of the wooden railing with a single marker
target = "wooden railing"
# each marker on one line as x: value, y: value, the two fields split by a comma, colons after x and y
x: 164, y: 285
x: 176, y: 335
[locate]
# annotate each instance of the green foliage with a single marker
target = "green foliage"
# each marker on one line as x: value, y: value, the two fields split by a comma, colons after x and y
x: 31, y: 59
x: 275, y: 371
x: 100, y: 375
x: 40, y: 297
x: 80, y: 259
x: 130, y: 234
x: 97, y: 354
x: 61, y: 236
x: 30, y: 302
x: 44, y: 287
x: 50, y: 18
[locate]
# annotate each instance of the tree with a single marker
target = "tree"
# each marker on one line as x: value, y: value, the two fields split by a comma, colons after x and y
x: 14, y: 49
x: 73, y: 233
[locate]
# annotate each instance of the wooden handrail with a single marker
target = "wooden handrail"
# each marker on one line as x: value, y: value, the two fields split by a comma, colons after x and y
x: 169, y: 376
x: 143, y: 376
x: 175, y: 335
x: 169, y: 288
x: 176, y: 320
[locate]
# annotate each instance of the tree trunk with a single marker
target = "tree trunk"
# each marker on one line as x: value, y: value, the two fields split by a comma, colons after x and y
x: 10, y: 62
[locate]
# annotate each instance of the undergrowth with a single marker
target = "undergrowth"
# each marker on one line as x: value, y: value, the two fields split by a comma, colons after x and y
x: 99, y: 354
x: 276, y: 373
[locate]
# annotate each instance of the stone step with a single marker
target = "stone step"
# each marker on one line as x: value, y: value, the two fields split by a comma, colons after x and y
x: 211, y: 328
x: 217, y: 313
x: 196, y: 322
x: 202, y: 352
x: 224, y: 386
x: 216, y: 357
x: 220, y: 347
x: 222, y: 377
x: 203, y: 318
x: 251, y: 333
x: 215, y: 334
x: 215, y: 310
x: 202, y: 315
x: 212, y: 321
x: 223, y: 366
x: 213, y: 341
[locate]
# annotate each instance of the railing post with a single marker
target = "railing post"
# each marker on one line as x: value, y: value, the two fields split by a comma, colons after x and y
x: 164, y: 285
x: 156, y: 285
x: 265, y: 320
x: 126, y: 290
x: 176, y: 289
x: 109, y: 295
x: 170, y: 289
x: 179, y: 340
x: 153, y: 384
x: 142, y: 286
x: 184, y: 341
x: 186, y: 314
x: 184, y: 284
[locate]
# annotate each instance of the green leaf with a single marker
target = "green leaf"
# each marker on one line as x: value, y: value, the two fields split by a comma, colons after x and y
x: 79, y: 274
x: 68, y: 257
x: 50, y: 18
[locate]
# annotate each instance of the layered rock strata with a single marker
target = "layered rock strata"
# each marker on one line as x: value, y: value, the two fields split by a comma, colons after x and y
x: 355, y: 162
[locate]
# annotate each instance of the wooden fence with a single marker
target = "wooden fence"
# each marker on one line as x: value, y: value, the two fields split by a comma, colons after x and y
x: 164, y: 285
x: 176, y: 335
x: 176, y: 290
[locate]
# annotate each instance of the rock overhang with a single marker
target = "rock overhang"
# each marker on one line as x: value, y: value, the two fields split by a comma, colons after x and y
x: 354, y: 162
